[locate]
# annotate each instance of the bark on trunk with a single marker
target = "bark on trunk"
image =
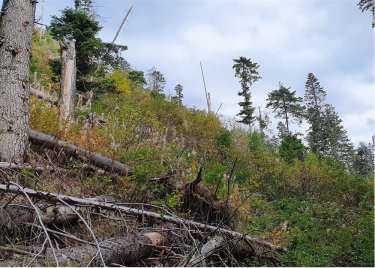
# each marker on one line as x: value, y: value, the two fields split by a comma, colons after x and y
x: 68, y: 81
x: 124, y: 251
x: 16, y: 33
x: 95, y: 159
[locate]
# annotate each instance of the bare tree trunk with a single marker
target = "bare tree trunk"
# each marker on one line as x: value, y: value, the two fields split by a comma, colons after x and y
x: 122, y: 24
x: 16, y: 34
x: 68, y: 81
x: 41, y: 21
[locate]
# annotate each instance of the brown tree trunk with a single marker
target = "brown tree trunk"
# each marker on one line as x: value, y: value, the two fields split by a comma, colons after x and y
x: 16, y: 34
x: 68, y: 81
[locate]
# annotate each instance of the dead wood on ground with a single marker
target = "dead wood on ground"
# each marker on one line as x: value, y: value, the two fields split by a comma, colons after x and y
x: 132, y: 211
x: 97, y: 160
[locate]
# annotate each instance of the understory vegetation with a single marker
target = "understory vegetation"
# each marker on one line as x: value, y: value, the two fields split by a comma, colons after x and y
x: 321, y: 210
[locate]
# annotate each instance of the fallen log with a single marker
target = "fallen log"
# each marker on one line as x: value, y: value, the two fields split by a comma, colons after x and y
x: 256, y: 244
x: 25, y: 166
x: 14, y: 215
x: 122, y: 250
x: 97, y: 160
x: 42, y: 95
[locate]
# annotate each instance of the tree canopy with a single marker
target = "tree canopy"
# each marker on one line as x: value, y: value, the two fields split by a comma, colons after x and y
x: 246, y: 70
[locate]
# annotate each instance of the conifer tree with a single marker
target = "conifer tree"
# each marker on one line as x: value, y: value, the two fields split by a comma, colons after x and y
x: 246, y: 70
x: 78, y: 25
x: 364, y: 159
x: 179, y: 96
x: 286, y: 105
x: 335, y: 142
x: 314, y: 97
x: 156, y: 80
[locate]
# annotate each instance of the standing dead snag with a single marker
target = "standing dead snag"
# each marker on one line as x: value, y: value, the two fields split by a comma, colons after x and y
x: 68, y: 81
x: 16, y: 33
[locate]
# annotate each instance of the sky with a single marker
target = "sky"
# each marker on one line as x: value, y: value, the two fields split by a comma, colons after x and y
x: 288, y: 39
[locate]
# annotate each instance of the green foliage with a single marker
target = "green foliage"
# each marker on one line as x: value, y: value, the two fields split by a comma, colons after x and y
x: 257, y: 142
x: 137, y: 77
x: 179, y: 96
x: 246, y: 70
x: 157, y: 95
x: 80, y: 26
x: 286, y: 105
x: 290, y: 147
x: 223, y: 139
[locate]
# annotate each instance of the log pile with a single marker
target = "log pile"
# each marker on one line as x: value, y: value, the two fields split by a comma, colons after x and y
x: 205, y: 243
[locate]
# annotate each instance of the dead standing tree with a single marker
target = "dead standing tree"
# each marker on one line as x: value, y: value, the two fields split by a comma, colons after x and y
x: 68, y: 81
x: 16, y: 34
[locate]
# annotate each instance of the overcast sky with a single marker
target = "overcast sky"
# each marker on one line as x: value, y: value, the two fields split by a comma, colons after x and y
x: 288, y: 39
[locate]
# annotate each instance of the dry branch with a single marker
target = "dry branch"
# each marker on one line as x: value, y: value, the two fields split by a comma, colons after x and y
x: 253, y: 241
x: 98, y: 160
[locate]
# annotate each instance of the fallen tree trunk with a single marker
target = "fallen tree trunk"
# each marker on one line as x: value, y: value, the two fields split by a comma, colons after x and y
x: 12, y: 216
x: 25, y: 166
x: 253, y: 242
x: 42, y: 95
x: 97, y: 160
x: 122, y: 250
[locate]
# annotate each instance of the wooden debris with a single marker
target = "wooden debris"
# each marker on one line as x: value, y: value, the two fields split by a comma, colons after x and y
x: 97, y: 160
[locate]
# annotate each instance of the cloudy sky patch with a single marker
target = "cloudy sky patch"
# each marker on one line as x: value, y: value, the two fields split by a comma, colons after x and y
x: 288, y: 39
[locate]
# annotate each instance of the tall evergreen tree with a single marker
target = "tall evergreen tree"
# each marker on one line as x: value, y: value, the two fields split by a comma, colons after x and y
x: 286, y: 105
x: 334, y: 136
x: 246, y: 70
x: 179, y: 96
x: 314, y: 97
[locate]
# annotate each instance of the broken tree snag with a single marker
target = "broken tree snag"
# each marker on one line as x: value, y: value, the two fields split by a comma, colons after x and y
x: 68, y: 81
x: 255, y: 242
x: 122, y: 250
x: 204, y: 206
x: 97, y: 160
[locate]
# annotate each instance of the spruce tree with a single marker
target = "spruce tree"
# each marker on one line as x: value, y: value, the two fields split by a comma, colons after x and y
x: 91, y: 51
x: 286, y: 105
x: 246, y: 70
x: 314, y: 97
x: 179, y: 96
x: 335, y: 142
